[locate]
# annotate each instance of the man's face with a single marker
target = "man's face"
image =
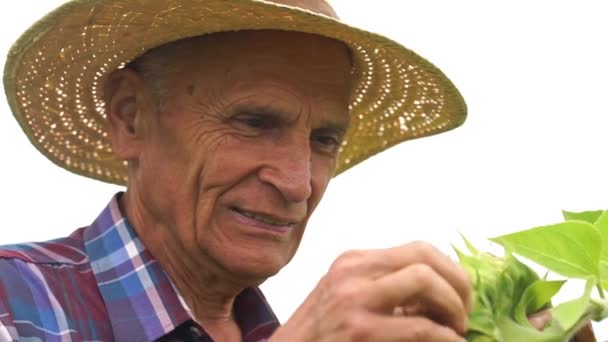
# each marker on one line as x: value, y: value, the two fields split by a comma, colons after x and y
x: 245, y: 146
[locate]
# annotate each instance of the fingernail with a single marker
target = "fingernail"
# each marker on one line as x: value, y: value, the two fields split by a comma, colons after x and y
x: 465, y: 324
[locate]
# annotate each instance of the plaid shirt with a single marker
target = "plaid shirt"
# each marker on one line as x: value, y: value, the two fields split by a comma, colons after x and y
x: 101, y: 284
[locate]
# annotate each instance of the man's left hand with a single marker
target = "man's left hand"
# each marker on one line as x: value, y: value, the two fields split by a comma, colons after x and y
x: 541, y: 319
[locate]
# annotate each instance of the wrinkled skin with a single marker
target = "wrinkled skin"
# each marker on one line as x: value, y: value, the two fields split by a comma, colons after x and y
x: 225, y: 175
x: 256, y: 132
x: 412, y: 292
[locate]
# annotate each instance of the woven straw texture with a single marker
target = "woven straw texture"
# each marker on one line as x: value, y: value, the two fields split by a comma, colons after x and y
x: 55, y: 73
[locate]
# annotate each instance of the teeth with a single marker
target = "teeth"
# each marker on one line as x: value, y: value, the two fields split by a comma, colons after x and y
x: 265, y: 219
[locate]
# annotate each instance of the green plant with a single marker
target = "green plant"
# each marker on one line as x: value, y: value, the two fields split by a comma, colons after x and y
x: 507, y: 291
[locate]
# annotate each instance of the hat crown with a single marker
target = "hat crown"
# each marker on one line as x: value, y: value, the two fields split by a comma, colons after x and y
x: 316, y: 6
x: 54, y: 74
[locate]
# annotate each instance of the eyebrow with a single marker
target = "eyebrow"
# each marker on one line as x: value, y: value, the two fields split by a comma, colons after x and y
x: 264, y: 110
x: 340, y: 126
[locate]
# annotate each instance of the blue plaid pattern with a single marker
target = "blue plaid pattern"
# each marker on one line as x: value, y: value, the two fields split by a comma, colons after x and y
x: 101, y: 284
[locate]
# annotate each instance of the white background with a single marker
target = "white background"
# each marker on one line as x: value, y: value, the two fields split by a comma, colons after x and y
x: 534, y: 75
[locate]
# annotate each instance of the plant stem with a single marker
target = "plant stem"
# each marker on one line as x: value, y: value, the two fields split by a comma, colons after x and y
x: 600, y: 291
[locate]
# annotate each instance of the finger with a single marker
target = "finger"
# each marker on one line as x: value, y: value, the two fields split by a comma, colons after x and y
x: 418, y: 284
x: 375, y: 263
x: 585, y: 334
x: 540, y: 320
x: 384, y: 328
x: 383, y: 261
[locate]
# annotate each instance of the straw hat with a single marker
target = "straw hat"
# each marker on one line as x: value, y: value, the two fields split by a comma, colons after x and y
x: 55, y: 72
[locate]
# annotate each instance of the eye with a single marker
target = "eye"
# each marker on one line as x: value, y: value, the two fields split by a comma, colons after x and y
x: 256, y: 121
x: 327, y: 142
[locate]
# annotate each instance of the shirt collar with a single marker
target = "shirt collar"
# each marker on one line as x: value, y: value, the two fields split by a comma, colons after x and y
x: 141, y: 301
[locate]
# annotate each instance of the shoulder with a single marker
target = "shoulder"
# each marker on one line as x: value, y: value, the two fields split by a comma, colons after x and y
x: 35, y: 268
x: 68, y: 250
x: 44, y: 286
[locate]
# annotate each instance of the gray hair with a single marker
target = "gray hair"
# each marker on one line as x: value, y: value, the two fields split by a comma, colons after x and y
x: 155, y: 69
x: 157, y: 65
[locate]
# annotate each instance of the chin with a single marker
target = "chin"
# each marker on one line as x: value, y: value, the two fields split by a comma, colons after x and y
x: 256, y: 270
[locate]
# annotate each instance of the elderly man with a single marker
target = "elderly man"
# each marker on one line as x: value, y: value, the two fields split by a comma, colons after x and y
x: 226, y: 120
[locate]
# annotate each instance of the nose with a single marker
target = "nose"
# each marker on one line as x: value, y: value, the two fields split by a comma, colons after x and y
x: 288, y: 169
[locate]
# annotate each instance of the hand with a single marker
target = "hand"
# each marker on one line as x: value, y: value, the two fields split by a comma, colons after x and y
x: 406, y: 293
x: 541, y: 319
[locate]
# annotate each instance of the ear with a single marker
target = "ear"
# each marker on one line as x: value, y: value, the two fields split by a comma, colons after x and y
x: 124, y: 94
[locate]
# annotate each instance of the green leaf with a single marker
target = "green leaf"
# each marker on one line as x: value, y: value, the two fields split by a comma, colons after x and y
x: 504, y: 303
x: 481, y: 267
x: 602, y: 225
x: 522, y: 276
x: 479, y: 337
x: 482, y: 321
x: 595, y: 310
x: 604, y: 274
x: 535, y: 298
x: 469, y: 263
x: 511, y: 331
x: 570, y: 248
x: 587, y: 216
x: 598, y: 310
x: 602, y: 221
x: 569, y: 313
x: 469, y: 245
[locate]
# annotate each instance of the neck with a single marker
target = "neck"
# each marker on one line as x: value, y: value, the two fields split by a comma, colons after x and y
x: 204, y: 285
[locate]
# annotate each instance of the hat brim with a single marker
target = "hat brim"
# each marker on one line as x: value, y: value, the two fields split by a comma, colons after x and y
x: 55, y: 72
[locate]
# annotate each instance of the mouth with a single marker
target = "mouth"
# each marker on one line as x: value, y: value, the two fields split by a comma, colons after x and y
x: 266, y: 219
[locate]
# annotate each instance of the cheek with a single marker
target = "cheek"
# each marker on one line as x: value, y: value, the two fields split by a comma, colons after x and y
x: 223, y: 168
x: 199, y: 158
x: 226, y: 162
x: 321, y: 173
x: 180, y: 175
